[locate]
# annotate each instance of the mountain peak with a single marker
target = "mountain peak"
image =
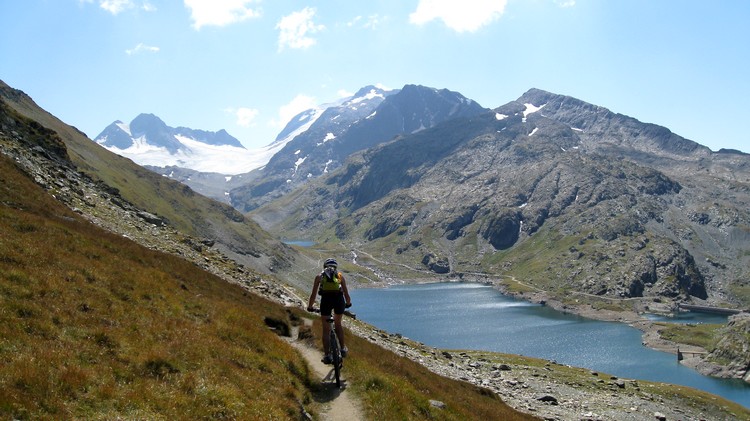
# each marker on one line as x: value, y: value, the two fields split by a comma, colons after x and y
x: 148, y: 140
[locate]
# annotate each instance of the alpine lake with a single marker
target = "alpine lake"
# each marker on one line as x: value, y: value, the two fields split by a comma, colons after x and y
x: 467, y: 316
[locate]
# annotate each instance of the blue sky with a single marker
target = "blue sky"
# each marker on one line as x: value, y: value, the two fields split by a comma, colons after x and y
x: 248, y: 66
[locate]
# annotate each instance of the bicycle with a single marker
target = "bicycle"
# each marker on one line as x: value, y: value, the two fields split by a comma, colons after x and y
x: 337, y: 359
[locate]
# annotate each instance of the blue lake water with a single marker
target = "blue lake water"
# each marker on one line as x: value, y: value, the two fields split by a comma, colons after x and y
x: 475, y: 316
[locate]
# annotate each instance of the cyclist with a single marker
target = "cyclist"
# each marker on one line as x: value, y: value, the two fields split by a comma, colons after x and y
x: 331, y: 286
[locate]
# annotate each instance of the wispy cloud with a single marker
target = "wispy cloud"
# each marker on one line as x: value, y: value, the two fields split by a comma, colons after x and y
x: 461, y: 16
x: 245, y: 116
x: 295, y: 29
x: 142, y: 48
x: 115, y: 7
x: 297, y: 105
x: 221, y: 12
x: 371, y: 22
x: 565, y: 3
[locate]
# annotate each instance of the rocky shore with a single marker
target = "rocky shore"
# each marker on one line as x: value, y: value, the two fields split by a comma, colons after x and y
x: 691, y: 356
x: 552, y: 391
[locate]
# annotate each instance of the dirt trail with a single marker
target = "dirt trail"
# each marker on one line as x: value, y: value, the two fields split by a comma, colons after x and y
x: 338, y: 404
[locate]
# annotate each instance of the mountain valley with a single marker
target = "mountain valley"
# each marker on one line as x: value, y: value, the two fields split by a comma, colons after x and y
x: 591, y: 205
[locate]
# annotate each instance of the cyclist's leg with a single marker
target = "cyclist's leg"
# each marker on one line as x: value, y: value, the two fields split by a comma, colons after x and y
x: 338, y: 313
x: 326, y: 335
x: 326, y: 306
x: 339, y: 329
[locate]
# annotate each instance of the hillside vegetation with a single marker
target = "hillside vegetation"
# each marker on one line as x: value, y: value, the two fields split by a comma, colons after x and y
x: 95, y: 326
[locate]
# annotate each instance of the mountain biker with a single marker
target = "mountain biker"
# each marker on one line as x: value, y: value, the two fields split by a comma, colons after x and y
x: 331, y: 286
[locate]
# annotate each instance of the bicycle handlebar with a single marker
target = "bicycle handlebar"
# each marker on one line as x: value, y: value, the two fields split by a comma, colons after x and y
x: 317, y: 310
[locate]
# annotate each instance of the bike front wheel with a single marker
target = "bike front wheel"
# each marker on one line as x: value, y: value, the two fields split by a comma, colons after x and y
x: 336, y: 357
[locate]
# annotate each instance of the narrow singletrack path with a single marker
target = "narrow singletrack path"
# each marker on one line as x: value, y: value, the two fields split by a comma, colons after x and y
x: 338, y: 404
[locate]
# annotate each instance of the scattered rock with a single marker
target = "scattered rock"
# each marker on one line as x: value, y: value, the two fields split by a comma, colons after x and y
x: 437, y: 404
x: 548, y: 399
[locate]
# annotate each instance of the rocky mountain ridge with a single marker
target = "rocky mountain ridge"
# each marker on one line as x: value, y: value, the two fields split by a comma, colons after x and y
x: 606, y: 205
x: 353, y: 126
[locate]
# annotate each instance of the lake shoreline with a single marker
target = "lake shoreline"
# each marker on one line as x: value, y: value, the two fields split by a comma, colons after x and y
x: 692, y: 356
x: 528, y: 383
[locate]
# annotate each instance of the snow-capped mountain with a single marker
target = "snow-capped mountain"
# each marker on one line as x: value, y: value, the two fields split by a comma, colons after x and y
x: 148, y: 141
x: 314, y: 142
x: 373, y: 116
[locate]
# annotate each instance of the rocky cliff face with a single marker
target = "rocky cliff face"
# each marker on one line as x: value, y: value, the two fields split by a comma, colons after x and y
x: 565, y: 194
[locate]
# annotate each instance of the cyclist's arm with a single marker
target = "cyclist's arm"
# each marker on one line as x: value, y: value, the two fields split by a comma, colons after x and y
x: 346, y: 291
x: 314, y: 294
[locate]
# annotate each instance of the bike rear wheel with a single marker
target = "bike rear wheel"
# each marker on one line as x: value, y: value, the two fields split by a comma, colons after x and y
x: 336, y: 357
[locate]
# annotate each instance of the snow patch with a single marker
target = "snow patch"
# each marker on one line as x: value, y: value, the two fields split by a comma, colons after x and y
x: 124, y: 127
x: 199, y: 156
x: 228, y: 178
x: 533, y: 131
x: 298, y: 163
x: 500, y: 116
x: 370, y: 95
x: 531, y: 109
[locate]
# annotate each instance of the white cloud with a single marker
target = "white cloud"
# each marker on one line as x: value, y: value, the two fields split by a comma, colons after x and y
x: 343, y: 93
x: 140, y: 48
x: 463, y: 16
x: 297, y: 105
x: 354, y: 21
x: 246, y: 116
x: 371, y: 22
x: 115, y: 6
x: 220, y: 12
x: 565, y: 3
x: 294, y: 29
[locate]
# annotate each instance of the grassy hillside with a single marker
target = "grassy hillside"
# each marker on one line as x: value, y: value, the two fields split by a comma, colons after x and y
x: 94, y: 326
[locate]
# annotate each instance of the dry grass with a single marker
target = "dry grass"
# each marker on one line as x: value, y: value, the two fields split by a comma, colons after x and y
x: 93, y: 326
x: 395, y: 388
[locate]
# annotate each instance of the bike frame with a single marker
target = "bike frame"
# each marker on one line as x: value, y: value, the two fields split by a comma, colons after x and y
x: 335, y: 349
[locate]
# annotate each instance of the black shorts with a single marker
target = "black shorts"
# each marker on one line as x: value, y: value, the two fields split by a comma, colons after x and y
x: 334, y: 301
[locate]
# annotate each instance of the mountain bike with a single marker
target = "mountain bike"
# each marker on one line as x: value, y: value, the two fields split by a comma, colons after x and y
x: 337, y: 359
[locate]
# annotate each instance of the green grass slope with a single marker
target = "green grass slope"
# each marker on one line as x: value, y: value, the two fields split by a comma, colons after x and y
x: 93, y: 326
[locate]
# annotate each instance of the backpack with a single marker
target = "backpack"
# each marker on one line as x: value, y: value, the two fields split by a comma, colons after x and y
x: 330, y: 285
